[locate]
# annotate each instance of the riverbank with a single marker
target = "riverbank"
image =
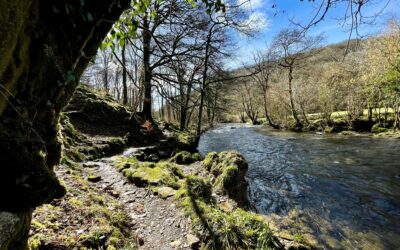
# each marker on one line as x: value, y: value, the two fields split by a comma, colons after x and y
x: 378, y: 133
x: 339, y: 124
x: 330, y: 190
x: 362, y: 126
x: 141, y: 185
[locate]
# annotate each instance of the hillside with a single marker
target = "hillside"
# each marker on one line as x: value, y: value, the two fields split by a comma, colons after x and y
x: 323, y: 82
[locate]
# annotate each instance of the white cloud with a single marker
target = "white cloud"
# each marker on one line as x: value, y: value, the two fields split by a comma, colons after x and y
x: 251, y: 4
x: 258, y: 21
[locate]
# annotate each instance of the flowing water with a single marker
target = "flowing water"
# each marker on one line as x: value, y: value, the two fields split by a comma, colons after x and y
x: 340, y: 191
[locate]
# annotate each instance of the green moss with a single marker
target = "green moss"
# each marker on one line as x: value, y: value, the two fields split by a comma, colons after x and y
x: 196, y: 187
x: 97, y: 236
x: 185, y: 157
x: 378, y: 129
x: 34, y: 244
x: 148, y: 174
x: 164, y: 192
x: 122, y: 162
x: 98, y: 210
x: 210, y: 160
x: 76, y: 202
x: 109, y: 223
x: 37, y: 224
x: 298, y: 237
x: 230, y: 169
x: 238, y: 229
x: 181, y: 139
x: 119, y: 219
x: 217, y: 162
x: 228, y: 179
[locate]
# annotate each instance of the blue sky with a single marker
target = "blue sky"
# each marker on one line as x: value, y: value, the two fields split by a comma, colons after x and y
x: 286, y: 10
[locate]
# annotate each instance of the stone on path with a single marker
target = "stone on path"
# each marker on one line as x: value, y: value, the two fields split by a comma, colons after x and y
x: 165, y: 192
x: 175, y: 243
x: 193, y: 241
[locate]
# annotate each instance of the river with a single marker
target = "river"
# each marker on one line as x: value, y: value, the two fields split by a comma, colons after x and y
x: 340, y: 192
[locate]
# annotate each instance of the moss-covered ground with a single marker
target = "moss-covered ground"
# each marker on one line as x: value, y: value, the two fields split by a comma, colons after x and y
x: 216, y: 227
x: 86, y: 218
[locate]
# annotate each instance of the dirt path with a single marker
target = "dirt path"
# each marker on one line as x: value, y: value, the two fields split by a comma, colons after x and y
x: 158, y: 223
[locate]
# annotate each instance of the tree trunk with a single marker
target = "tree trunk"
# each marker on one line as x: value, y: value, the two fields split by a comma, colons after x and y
x: 124, y: 75
x: 147, y: 71
x: 292, y: 105
x: 303, y: 112
x: 370, y: 113
x: 203, y: 83
x: 105, y: 75
x: 214, y: 109
x: 182, y: 118
x: 270, y: 122
x: 40, y: 68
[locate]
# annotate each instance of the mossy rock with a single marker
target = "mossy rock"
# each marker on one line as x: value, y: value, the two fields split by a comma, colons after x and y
x: 122, y: 162
x: 152, y: 174
x: 378, y: 129
x: 185, y: 157
x: 217, y: 162
x: 229, y: 169
x: 164, y: 192
x: 182, y: 140
x: 91, y: 106
x: 210, y: 160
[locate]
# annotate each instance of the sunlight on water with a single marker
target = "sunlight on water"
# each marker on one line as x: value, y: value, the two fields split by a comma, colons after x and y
x: 341, y: 192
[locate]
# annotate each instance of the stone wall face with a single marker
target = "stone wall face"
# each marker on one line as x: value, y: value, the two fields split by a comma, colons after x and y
x: 45, y: 47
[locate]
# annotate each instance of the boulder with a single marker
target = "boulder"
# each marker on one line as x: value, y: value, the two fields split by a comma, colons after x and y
x: 229, y: 170
x: 185, y: 157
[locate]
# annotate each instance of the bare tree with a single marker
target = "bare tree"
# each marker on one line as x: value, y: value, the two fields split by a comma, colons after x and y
x: 249, y: 102
x: 294, y: 46
x: 264, y: 65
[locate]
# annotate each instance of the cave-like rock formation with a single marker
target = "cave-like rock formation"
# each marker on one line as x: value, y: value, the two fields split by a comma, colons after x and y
x: 45, y: 46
